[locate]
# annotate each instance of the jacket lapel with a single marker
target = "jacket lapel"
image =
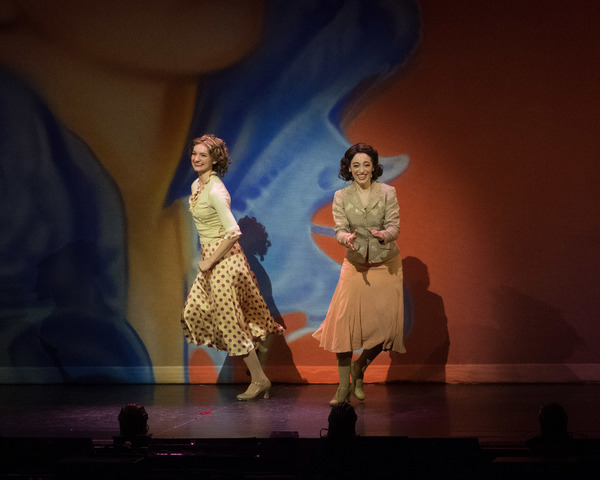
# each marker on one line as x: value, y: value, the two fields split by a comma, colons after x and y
x: 353, y: 197
x: 374, y: 196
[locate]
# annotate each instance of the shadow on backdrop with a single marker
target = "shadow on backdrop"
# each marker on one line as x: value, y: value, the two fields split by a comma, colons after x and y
x: 528, y: 330
x: 274, y: 354
x: 425, y: 327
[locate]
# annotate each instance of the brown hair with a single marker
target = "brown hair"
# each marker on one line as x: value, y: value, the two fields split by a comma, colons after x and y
x: 218, y: 151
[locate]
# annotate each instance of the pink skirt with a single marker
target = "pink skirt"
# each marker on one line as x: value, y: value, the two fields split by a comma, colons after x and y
x: 367, y: 309
x: 224, y: 308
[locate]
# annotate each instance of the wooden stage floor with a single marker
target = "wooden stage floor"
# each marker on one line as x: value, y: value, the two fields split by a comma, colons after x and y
x: 494, y: 419
x: 490, y: 412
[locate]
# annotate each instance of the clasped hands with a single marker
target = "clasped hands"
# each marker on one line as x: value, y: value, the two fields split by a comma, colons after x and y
x: 350, y: 239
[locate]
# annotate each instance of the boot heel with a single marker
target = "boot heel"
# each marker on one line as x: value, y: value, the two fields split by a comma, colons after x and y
x: 342, y: 395
x: 255, y: 390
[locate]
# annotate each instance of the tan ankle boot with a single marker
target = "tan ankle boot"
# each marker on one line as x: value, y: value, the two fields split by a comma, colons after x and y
x: 357, y: 381
x: 342, y: 395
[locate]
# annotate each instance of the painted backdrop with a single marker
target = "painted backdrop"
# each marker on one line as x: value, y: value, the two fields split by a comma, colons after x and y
x: 485, y: 117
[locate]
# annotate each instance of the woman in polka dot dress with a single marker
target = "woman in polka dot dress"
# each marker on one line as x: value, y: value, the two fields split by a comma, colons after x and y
x: 224, y: 308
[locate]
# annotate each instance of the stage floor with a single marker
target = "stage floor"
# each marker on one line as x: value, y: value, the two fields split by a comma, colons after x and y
x: 501, y: 414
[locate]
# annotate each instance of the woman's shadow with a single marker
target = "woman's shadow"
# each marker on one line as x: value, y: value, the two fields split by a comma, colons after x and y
x: 274, y: 353
x: 425, y: 327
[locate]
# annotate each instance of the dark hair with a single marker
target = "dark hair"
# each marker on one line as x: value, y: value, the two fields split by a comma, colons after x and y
x: 553, y: 421
x: 342, y: 421
x: 133, y: 420
x: 218, y: 151
x: 349, y: 155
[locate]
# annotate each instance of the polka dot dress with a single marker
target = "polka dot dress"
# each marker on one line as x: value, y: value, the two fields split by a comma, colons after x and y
x: 224, y: 308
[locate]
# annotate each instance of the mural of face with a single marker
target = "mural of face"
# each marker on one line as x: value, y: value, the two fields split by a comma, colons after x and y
x: 361, y: 168
x: 122, y: 77
x: 169, y: 37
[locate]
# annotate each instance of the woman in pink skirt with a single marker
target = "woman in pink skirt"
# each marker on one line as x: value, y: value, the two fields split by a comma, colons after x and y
x: 224, y: 308
x: 366, y: 311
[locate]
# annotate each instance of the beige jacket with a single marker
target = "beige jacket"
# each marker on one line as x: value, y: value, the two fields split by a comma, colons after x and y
x: 380, y: 214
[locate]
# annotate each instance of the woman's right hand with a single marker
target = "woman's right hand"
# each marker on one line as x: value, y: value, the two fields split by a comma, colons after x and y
x: 350, y: 240
x: 205, y: 265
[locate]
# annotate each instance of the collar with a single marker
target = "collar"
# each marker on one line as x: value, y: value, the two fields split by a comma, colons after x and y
x: 374, y: 196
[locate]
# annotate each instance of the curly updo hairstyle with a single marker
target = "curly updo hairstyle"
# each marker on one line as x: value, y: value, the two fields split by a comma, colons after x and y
x: 345, y: 173
x: 217, y: 150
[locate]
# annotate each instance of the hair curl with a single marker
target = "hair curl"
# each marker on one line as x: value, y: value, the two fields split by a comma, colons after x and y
x: 218, y: 151
x: 345, y: 173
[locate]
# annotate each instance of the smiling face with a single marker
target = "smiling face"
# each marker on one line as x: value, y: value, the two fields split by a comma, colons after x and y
x: 361, y: 168
x: 202, y: 161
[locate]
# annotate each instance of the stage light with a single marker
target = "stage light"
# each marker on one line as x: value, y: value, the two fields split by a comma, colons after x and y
x: 133, y: 426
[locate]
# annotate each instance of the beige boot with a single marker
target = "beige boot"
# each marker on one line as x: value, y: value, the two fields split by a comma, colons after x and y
x: 357, y: 381
x: 342, y: 395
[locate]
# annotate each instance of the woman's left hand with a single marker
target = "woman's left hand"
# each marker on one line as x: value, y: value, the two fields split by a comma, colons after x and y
x: 378, y: 234
x: 205, y: 265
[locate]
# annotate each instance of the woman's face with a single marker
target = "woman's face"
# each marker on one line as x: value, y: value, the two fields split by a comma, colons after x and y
x: 361, y: 168
x: 202, y: 161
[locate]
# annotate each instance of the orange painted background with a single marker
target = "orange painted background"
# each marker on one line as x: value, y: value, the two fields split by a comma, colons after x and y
x: 499, y: 111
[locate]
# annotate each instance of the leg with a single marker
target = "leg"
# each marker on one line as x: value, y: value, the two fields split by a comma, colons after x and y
x: 263, y: 349
x: 260, y: 382
x: 342, y: 395
x: 358, y: 369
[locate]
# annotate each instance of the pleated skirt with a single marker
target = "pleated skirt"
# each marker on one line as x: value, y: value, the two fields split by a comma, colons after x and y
x: 367, y: 309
